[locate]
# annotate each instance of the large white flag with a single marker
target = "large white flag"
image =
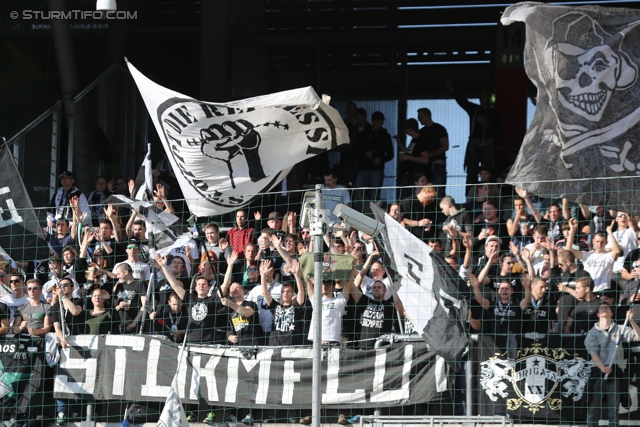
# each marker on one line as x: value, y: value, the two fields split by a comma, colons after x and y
x: 224, y: 154
x: 173, y: 414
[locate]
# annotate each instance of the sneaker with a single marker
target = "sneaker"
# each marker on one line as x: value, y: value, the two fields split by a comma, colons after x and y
x: 61, y: 419
x: 342, y: 420
x: 248, y: 420
x: 306, y: 420
x: 192, y: 418
x: 354, y: 420
x: 210, y: 418
x: 231, y: 419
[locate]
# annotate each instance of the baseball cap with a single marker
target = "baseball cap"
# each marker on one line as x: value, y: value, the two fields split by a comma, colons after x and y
x: 67, y: 174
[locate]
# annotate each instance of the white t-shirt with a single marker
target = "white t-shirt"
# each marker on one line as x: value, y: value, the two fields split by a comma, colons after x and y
x: 264, y: 314
x: 600, y: 267
x: 139, y: 270
x: 332, y: 311
x: 537, y: 257
x: 627, y: 240
x: 334, y: 196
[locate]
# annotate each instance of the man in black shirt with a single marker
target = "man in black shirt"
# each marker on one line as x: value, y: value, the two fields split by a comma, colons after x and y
x: 376, y: 314
x: 504, y: 316
x: 420, y: 213
x: 172, y: 318
x: 130, y: 298
x: 202, y: 321
x: 288, y: 316
x: 571, y: 272
x: 64, y: 305
x: 437, y: 140
x: 540, y: 315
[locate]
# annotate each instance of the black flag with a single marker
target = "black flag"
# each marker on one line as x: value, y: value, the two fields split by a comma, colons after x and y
x: 428, y: 288
x: 20, y: 233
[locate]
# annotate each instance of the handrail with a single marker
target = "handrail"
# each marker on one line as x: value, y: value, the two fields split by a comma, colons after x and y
x: 35, y: 122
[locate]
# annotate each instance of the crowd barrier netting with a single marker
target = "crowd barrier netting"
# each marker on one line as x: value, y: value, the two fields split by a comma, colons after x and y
x: 529, y: 302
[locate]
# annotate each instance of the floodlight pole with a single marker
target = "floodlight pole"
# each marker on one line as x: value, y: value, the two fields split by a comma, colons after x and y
x: 317, y: 226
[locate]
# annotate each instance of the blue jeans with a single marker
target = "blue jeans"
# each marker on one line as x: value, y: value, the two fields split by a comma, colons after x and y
x: 604, y: 391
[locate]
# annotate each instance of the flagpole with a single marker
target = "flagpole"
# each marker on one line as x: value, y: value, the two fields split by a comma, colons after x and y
x: 317, y: 230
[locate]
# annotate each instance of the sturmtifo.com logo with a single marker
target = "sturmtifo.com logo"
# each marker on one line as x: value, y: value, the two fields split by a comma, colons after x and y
x: 29, y: 14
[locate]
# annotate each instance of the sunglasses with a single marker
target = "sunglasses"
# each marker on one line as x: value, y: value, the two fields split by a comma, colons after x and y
x: 252, y: 269
x: 15, y: 281
x: 34, y: 288
x: 132, y: 247
x: 65, y: 285
x: 621, y: 215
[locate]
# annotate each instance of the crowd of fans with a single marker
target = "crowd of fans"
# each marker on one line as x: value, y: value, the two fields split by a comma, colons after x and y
x: 527, y: 266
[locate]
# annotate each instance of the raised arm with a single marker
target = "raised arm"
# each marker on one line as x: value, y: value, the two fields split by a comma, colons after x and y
x: 173, y: 282
x: 475, y: 284
x: 265, y: 269
x: 350, y: 285
x: 85, y: 244
x: 615, y: 247
x: 526, y: 282
x: 485, y: 271
x: 231, y: 259
x: 365, y: 268
x: 111, y: 212
x: 297, y: 273
x: 277, y: 243
x: 129, y: 227
x: 525, y: 195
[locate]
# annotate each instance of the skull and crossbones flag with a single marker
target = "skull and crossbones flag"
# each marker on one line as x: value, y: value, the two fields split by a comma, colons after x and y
x: 583, y: 140
x: 225, y: 154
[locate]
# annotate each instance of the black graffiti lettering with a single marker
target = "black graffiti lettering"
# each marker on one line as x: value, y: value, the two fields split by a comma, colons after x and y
x: 293, y: 109
x: 307, y: 118
x: 210, y: 111
x: 200, y: 185
x: 177, y: 120
x: 215, y: 197
x: 318, y: 134
x: 174, y: 139
x: 173, y: 125
x: 186, y: 115
x: 233, y: 199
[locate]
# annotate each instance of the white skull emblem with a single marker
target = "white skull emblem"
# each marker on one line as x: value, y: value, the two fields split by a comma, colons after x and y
x: 587, y: 65
x: 585, y: 82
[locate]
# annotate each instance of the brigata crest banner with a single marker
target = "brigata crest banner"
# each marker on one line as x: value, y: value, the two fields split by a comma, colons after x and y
x: 584, y: 62
x: 224, y: 154
x: 542, y: 380
x: 141, y: 368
